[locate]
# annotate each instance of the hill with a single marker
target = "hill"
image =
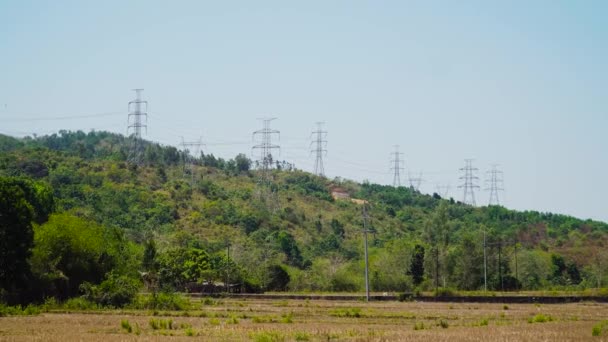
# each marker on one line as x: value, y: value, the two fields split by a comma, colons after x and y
x: 214, y: 223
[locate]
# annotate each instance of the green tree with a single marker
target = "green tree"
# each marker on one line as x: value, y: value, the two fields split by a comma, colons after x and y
x: 417, y: 265
x: 436, y: 234
x: 70, y: 250
x: 243, y: 164
x: 16, y: 235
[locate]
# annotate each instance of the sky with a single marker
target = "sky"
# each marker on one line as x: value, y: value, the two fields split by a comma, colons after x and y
x: 522, y: 84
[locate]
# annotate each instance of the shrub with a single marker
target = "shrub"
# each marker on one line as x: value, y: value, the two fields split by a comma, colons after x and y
x: 268, y: 336
x: 301, y: 336
x: 29, y: 310
x: 346, y: 312
x: 444, y: 324
x: 598, y: 329
x: 405, y: 297
x: 79, y: 303
x: 115, y: 291
x: 419, y: 326
x: 190, y: 332
x: 540, y: 318
x: 287, y: 318
x: 232, y: 320
x: 445, y: 292
x: 161, y: 301
x: 124, y: 324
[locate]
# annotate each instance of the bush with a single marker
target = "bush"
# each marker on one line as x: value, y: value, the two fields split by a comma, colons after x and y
x: 115, y: 291
x: 445, y: 292
x: 124, y: 324
x: 79, y: 303
x: 161, y: 301
x: 598, y: 329
x: 29, y: 310
x: 540, y: 318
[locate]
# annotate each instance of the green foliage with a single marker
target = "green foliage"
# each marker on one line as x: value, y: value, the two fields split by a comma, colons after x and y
x: 115, y: 290
x: 346, y: 312
x: 162, y: 324
x: 121, y: 218
x: 70, y: 250
x: 125, y: 325
x: 18, y: 310
x: 161, y: 301
x: 598, y: 329
x: 540, y: 318
x: 417, y: 265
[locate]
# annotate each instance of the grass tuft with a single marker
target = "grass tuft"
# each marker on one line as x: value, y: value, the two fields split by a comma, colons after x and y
x: 125, y: 325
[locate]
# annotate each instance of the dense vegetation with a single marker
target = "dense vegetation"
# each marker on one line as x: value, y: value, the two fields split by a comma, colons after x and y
x: 77, y: 219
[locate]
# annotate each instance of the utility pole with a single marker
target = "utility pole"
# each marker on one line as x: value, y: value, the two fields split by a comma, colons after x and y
x: 191, y: 150
x: 264, y: 164
x: 494, y: 183
x: 469, y: 184
x: 397, y: 166
x: 320, y: 148
x: 138, y: 119
x: 415, y: 181
x: 365, y: 231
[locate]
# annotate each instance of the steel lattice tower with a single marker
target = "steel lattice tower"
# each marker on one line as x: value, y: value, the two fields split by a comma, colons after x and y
x: 191, y: 150
x: 137, y: 120
x: 443, y: 190
x: 494, y: 184
x: 320, y: 149
x: 397, y: 166
x: 415, y: 181
x: 469, y: 185
x: 264, y: 163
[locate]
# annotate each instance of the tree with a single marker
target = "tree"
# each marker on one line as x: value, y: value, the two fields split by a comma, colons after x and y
x: 417, y: 265
x: 70, y: 250
x: 21, y: 202
x: 16, y: 235
x: 436, y: 234
x: 243, y: 164
x: 149, y: 262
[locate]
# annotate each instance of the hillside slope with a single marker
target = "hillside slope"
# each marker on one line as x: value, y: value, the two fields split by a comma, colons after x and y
x: 300, y: 237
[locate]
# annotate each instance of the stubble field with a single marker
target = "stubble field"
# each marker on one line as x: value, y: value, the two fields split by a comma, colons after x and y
x: 317, y: 320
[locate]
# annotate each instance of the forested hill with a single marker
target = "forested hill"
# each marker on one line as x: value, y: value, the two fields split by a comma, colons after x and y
x: 212, y: 224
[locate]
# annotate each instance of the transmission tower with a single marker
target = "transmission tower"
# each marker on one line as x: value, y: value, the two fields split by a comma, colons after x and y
x: 443, y: 190
x: 397, y: 166
x: 469, y: 184
x: 320, y: 149
x: 415, y: 181
x: 494, y: 183
x: 264, y: 163
x: 138, y: 119
x: 191, y: 150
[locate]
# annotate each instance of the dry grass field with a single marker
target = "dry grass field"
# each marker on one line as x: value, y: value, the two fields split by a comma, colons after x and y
x: 317, y: 320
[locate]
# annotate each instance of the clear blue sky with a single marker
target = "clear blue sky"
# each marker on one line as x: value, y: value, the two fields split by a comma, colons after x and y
x: 518, y: 83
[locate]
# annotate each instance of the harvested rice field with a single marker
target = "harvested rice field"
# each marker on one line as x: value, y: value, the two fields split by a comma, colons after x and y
x: 319, y: 320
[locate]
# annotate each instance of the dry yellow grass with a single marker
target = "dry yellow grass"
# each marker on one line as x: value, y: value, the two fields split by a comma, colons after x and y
x: 281, y: 320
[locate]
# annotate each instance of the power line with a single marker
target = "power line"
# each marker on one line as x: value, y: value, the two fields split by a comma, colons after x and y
x: 443, y: 190
x: 264, y: 163
x: 53, y: 118
x: 320, y: 148
x: 469, y: 185
x: 135, y: 124
x: 495, y: 181
x: 415, y: 181
x: 190, y: 155
x: 397, y: 166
